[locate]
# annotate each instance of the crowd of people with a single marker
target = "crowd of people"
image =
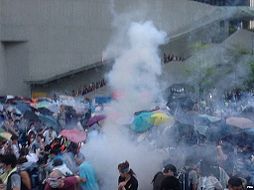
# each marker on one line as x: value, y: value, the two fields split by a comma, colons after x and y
x: 36, y: 155
x: 58, y: 165
x: 207, y: 177
x: 217, y: 142
x: 200, y: 176
x: 89, y: 88
x: 221, y: 159
x: 171, y: 57
x: 207, y: 151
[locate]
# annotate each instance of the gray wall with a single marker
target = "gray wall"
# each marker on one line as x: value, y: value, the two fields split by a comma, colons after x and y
x: 16, y: 63
x: 2, y: 66
x: 64, y: 35
x: 172, y: 16
x: 2, y: 70
x: 73, y: 82
x: 182, y: 45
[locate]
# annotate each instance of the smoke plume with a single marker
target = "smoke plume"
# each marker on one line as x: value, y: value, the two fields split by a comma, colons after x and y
x: 133, y: 78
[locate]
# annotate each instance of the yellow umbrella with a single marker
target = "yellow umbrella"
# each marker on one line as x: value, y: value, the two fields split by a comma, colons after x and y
x: 5, y: 135
x: 159, y: 118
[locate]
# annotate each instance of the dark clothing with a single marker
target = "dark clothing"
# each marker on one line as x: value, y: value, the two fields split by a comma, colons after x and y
x: 13, y: 180
x: 170, y: 183
x: 132, y: 184
x: 158, y: 178
x: 8, y: 186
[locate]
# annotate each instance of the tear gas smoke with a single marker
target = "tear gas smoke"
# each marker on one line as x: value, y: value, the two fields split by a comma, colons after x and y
x: 135, y: 47
x: 134, y: 75
x: 134, y: 78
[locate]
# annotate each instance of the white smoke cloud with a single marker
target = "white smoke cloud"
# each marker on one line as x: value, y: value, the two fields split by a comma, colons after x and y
x: 134, y: 78
x: 134, y: 74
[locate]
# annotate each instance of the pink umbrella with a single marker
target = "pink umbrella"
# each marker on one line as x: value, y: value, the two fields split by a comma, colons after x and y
x: 95, y: 119
x: 74, y: 135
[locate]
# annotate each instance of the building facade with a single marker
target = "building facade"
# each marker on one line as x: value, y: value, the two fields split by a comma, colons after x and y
x: 41, y: 41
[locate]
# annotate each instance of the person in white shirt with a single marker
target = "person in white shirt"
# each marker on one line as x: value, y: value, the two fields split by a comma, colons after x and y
x: 49, y: 135
x: 212, y: 176
x: 59, y: 165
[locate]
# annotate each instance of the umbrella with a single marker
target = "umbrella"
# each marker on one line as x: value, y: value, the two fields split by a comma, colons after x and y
x: 23, y: 107
x: 67, y: 100
x: 5, y: 135
x: 41, y: 99
x: 48, y: 120
x: 249, y: 131
x: 240, y: 122
x: 29, y: 115
x: 54, y: 107
x: 9, y: 97
x: 2, y: 99
x: 45, y: 111
x: 209, y: 117
x: 74, y: 135
x: 184, y: 102
x: 248, y: 112
x: 13, y: 110
x: 95, y: 119
x: 43, y: 104
x: 202, y: 129
x: 142, y: 122
x: 1, y: 118
x: 159, y: 118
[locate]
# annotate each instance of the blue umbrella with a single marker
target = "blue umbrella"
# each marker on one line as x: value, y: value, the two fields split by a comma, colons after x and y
x: 202, y: 129
x: 48, y: 120
x: 45, y: 111
x: 249, y: 131
x: 31, y: 116
x: 142, y: 122
x: 3, y: 99
x: 210, y: 118
x: 1, y: 118
x: 23, y: 107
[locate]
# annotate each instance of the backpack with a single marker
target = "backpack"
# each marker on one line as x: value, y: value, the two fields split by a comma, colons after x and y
x: 8, y: 185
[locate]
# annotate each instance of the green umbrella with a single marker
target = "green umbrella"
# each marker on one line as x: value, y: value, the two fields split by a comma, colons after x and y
x: 142, y: 122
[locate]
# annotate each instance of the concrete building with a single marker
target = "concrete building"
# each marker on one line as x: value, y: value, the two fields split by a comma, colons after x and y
x: 45, y: 42
x: 237, y: 23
